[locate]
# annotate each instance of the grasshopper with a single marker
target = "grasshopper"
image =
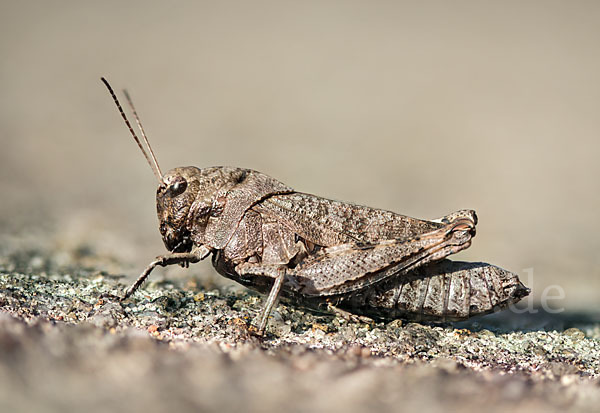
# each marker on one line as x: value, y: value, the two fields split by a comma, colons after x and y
x: 318, y: 253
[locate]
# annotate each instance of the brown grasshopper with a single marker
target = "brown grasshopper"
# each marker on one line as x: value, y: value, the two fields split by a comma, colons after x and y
x: 318, y: 253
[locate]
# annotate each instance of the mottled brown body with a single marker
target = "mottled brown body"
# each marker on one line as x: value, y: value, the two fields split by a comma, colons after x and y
x: 320, y: 253
x: 368, y: 261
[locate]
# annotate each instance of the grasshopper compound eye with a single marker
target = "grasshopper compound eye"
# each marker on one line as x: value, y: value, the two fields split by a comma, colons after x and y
x: 178, y: 187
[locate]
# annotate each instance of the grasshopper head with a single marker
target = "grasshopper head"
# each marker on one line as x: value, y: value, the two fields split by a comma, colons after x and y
x: 174, y: 198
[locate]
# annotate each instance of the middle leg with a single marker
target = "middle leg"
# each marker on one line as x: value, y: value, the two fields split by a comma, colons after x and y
x: 277, y: 272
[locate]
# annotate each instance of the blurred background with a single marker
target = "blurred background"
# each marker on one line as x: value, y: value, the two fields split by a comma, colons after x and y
x: 422, y: 108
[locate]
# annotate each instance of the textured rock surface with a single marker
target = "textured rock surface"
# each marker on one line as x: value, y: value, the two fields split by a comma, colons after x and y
x: 67, y: 344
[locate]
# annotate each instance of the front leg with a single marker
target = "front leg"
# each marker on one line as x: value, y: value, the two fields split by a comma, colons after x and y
x: 197, y: 254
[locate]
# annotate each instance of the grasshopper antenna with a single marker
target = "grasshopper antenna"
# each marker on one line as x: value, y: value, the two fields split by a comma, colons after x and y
x: 154, y: 166
x: 139, y: 123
